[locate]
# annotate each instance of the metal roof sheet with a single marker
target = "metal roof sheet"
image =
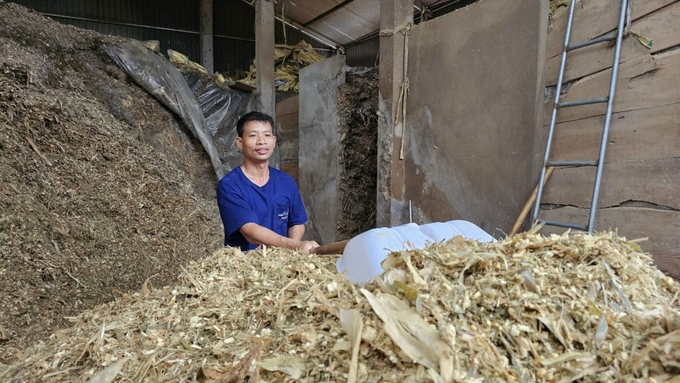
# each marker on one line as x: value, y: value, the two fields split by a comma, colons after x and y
x: 340, y: 22
x: 349, y: 22
x: 304, y: 11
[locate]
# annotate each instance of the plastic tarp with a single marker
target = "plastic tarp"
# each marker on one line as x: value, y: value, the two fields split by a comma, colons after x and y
x: 222, y: 107
x: 157, y: 76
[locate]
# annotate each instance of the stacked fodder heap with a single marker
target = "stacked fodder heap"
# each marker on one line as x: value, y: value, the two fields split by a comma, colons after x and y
x: 526, y: 309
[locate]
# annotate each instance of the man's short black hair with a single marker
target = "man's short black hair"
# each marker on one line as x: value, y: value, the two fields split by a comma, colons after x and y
x: 253, y: 116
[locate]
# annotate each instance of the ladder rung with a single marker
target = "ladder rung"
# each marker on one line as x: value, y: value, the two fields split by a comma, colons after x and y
x: 582, y: 102
x: 572, y: 163
x: 564, y: 224
x: 582, y: 44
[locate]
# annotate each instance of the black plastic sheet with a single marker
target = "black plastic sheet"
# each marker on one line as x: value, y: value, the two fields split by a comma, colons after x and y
x: 222, y: 107
x: 157, y: 76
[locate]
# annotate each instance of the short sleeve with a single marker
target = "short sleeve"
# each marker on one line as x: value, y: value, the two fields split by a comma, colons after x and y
x: 233, y: 207
x: 298, y: 215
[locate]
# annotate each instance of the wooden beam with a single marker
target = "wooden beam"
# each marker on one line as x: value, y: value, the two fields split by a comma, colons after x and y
x: 206, y: 27
x: 264, y: 56
x: 662, y: 26
x: 394, y: 15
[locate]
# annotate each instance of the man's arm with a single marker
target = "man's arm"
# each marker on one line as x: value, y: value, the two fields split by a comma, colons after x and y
x: 296, y: 231
x: 260, y: 235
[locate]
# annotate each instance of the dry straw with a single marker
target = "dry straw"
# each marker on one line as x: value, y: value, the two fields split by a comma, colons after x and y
x: 525, y: 309
x: 289, y: 59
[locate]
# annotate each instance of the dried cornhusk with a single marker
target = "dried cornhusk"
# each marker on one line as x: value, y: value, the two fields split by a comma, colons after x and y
x: 181, y: 59
x: 288, y: 61
x: 527, y: 308
x: 557, y: 6
x: 184, y: 64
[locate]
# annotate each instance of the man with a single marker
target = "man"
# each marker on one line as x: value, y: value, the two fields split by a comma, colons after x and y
x: 260, y: 205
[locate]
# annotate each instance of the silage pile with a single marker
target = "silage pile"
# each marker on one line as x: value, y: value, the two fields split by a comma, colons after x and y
x: 528, y: 308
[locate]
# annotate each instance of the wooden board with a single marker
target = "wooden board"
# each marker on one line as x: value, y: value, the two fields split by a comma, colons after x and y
x: 660, y: 226
x: 288, y: 106
x: 644, y: 82
x: 288, y: 135
x: 654, y: 181
x: 637, y: 135
x: 662, y: 26
x: 291, y: 167
x: 287, y: 126
x: 240, y: 85
x: 593, y: 18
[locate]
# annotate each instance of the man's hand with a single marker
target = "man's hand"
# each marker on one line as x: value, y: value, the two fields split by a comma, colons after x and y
x: 259, y: 235
x: 306, y: 246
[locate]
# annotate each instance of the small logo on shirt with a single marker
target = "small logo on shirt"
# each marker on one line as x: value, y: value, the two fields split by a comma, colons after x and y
x: 283, y: 216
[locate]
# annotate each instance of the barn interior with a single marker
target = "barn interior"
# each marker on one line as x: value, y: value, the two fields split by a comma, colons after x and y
x: 118, y: 120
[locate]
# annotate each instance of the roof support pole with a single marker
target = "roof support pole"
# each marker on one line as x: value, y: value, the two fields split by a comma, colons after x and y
x: 206, y: 28
x: 264, y: 56
x: 396, y: 16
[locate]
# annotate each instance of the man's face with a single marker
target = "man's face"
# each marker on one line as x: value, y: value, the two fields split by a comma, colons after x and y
x: 258, y: 141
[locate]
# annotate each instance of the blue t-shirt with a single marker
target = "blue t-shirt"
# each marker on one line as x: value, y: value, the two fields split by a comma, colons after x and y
x: 276, y: 205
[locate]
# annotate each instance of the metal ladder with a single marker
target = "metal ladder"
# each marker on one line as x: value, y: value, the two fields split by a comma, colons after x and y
x: 609, y: 99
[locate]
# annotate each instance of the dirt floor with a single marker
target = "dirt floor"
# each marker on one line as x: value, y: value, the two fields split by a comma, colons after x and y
x: 358, y: 110
x: 101, y: 188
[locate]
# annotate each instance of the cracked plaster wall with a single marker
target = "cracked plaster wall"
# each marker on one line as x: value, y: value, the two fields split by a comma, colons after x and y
x: 320, y: 148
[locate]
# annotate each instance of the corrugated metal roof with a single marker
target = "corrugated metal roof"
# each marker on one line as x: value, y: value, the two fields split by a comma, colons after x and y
x: 233, y: 18
x: 364, y: 53
x: 304, y: 11
x: 343, y: 22
x: 231, y: 54
x: 349, y: 22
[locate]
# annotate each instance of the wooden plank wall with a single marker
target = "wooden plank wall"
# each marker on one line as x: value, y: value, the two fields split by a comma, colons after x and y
x: 287, y: 135
x: 640, y: 191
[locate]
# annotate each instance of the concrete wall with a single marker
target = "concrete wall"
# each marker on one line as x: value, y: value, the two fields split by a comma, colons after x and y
x: 474, y: 104
x: 320, y: 149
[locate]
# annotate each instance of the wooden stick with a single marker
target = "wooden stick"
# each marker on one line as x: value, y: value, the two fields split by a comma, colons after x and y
x: 530, y: 202
x: 35, y: 147
x: 330, y: 248
x: 74, y: 278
